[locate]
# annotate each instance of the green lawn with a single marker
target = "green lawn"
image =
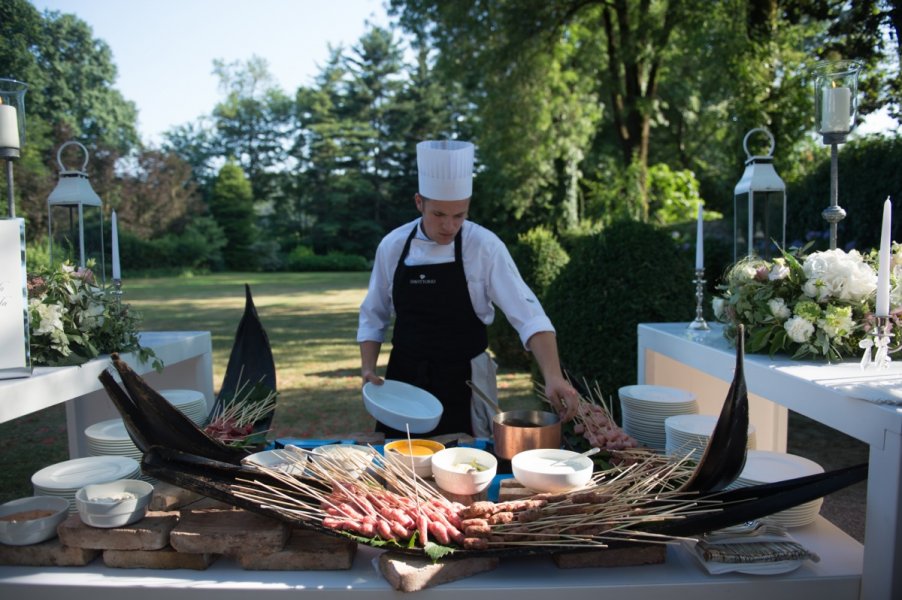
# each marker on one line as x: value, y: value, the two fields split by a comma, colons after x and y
x: 311, y: 319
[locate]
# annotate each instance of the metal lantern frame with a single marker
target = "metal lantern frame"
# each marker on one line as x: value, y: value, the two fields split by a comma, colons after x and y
x: 74, y: 191
x: 759, y: 179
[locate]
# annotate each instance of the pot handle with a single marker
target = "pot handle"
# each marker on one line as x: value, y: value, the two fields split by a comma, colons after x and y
x: 484, y: 397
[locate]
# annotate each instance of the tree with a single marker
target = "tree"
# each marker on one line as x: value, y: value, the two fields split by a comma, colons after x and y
x: 232, y: 205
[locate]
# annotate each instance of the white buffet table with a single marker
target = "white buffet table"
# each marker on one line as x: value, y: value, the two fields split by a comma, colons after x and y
x: 188, y: 363
x: 835, y: 577
x: 703, y: 363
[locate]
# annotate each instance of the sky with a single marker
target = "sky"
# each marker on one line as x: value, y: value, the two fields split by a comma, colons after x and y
x: 164, y: 50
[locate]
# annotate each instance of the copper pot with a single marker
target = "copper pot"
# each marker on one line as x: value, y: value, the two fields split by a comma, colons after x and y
x: 519, y: 430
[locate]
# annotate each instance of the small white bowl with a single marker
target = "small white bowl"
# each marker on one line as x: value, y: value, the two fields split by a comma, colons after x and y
x: 453, y: 470
x: 350, y: 458
x: 399, y: 453
x: 290, y: 460
x: 114, y: 504
x: 31, y: 520
x: 533, y: 469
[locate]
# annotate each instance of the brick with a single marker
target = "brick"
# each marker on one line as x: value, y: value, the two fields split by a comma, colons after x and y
x: 305, y: 551
x: 411, y: 574
x: 51, y: 553
x: 150, y: 533
x: 165, y: 558
x: 624, y: 556
x: 171, y: 497
x: 227, y: 531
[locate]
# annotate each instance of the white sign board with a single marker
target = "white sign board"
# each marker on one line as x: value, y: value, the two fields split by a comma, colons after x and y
x: 15, y: 356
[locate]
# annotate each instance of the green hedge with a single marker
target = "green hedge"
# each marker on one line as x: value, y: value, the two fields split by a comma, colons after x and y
x: 630, y: 273
x: 302, y: 258
x: 539, y: 258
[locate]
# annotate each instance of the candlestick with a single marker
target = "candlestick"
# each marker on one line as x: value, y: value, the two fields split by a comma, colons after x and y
x: 700, y: 240
x: 837, y: 109
x: 9, y: 126
x: 883, y: 266
x: 117, y: 275
x: 699, y: 323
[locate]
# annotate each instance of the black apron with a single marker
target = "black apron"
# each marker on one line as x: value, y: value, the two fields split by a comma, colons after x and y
x: 436, y: 335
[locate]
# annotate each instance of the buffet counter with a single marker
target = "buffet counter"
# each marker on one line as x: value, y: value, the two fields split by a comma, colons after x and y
x: 187, y: 363
x: 835, y: 577
x: 842, y: 396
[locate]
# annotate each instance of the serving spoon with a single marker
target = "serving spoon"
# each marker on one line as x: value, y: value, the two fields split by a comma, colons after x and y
x: 588, y: 452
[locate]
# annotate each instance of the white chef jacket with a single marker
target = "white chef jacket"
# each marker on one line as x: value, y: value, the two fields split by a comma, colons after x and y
x: 492, y: 278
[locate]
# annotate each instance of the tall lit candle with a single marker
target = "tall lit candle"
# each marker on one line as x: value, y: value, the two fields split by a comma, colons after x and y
x: 700, y: 240
x: 117, y: 275
x: 9, y: 126
x: 836, y: 109
x: 883, y: 266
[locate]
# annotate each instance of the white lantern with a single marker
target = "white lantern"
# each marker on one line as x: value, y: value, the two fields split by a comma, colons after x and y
x: 75, y: 217
x: 759, y: 206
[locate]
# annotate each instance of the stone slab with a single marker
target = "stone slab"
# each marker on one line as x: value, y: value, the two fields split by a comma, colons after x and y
x: 227, y: 531
x: 164, y: 558
x: 411, y: 574
x: 305, y: 551
x: 511, y: 489
x: 150, y: 533
x: 51, y: 553
x: 626, y: 556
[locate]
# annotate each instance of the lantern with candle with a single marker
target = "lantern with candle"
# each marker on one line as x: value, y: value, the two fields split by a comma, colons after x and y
x: 75, y: 217
x: 12, y: 130
x: 835, y: 109
x: 759, y: 205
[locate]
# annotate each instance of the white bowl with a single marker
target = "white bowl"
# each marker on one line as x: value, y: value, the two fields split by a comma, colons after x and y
x: 290, y: 460
x: 350, y: 458
x: 114, y: 504
x: 31, y: 520
x: 399, y: 453
x: 532, y: 468
x: 451, y: 472
x: 402, y: 406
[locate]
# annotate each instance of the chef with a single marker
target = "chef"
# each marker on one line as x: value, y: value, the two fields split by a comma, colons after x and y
x: 440, y: 276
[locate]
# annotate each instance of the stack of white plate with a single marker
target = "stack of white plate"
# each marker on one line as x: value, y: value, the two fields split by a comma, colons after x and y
x: 110, y: 438
x: 66, y: 478
x: 765, y: 466
x: 191, y: 403
x: 645, y: 407
x: 688, y: 435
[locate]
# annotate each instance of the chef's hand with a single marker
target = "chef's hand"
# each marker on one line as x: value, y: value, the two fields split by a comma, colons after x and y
x: 563, y: 397
x: 371, y: 377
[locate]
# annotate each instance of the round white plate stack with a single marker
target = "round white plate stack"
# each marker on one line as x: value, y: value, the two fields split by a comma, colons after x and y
x: 110, y: 438
x: 66, y: 478
x: 688, y: 435
x: 765, y: 466
x: 645, y: 407
x: 190, y: 403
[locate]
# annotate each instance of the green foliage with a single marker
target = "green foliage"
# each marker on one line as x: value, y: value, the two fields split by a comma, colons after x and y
x: 868, y: 173
x: 628, y: 274
x: 198, y: 247
x: 539, y: 258
x: 232, y: 205
x: 303, y: 259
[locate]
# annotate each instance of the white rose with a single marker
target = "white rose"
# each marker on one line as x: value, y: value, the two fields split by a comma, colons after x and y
x: 717, y: 304
x: 779, y: 309
x: 778, y: 272
x: 798, y: 329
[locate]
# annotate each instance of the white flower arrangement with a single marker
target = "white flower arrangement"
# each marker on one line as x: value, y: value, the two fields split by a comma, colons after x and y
x: 820, y: 305
x: 73, y: 320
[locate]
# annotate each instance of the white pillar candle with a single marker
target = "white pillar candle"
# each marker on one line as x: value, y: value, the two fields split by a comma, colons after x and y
x: 700, y: 240
x: 836, y: 109
x: 9, y: 126
x: 884, y: 264
x: 115, y: 246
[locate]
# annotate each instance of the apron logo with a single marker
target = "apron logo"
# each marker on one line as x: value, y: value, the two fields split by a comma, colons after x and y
x: 422, y: 280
